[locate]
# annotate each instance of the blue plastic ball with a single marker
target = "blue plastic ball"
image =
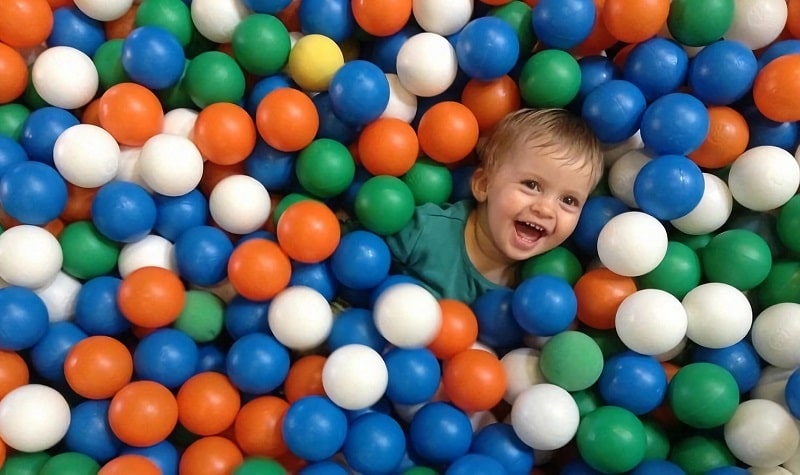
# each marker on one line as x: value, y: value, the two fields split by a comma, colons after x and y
x: 764, y: 131
x: 778, y: 49
x: 384, y: 49
x: 314, y: 428
x: 723, y: 72
x: 375, y: 444
x: 544, y: 305
x: 440, y: 433
x: 175, y: 214
x: 163, y: 454
x: 317, y: 275
x: 500, y: 442
x: 656, y: 66
x: 462, y: 187
x: 331, y: 18
x: 475, y: 464
x: 355, y: 326
x: 153, y: 57
x: 792, y: 393
x: 270, y: 7
x: 414, y: 375
x: 257, y: 363
x: 669, y: 186
x: 632, y: 381
x: 23, y: 318
x: 210, y: 358
x: 11, y: 153
x: 674, y: 124
x: 563, y: 24
x: 96, y: 310
x: 201, y: 255
x: 72, y: 27
x: 41, y: 129
x: 740, y: 359
x: 272, y: 168
x: 487, y: 48
x: 614, y: 110
x: 597, y: 211
x: 359, y: 92
x: 242, y: 316
x: 330, y: 125
x: 33, y: 193
x: 361, y: 260
x: 325, y: 467
x: 167, y: 356
x: 48, y: 354
x: 497, y: 326
x: 123, y: 211
x: 90, y: 433
x: 657, y: 467
x: 596, y: 70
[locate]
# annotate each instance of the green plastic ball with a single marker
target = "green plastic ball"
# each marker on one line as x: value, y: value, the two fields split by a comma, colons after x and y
x: 658, y: 444
x: 176, y: 96
x: 325, y: 168
x: 699, y: 23
x: 781, y: 285
x: 108, y: 62
x: 384, y: 204
x: 256, y: 465
x: 419, y: 470
x: 202, y: 316
x: 518, y: 14
x: 172, y: 15
x: 213, y: 76
x: 70, y: 463
x: 788, y: 224
x: 559, y: 262
x: 587, y: 400
x: 572, y: 360
x: 678, y: 273
x: 87, y: 253
x: 737, y: 257
x: 24, y: 463
x: 608, y: 341
x: 429, y: 181
x: 261, y: 44
x: 285, y: 202
x: 550, y: 78
x: 696, y: 242
x: 12, y: 118
x: 612, y: 439
x: 697, y: 454
x: 703, y: 395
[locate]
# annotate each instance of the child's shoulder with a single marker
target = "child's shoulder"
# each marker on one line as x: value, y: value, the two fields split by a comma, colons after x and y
x: 458, y: 209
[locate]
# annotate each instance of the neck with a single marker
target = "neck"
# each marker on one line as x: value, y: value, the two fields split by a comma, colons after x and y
x: 486, y: 258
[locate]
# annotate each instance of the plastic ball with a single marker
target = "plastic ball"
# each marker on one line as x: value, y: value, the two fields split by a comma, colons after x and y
x: 657, y: 66
x: 257, y: 363
x: 439, y: 433
x: 491, y: 100
x: 448, y: 131
x: 382, y: 18
x: 34, y: 418
x: 274, y: 169
x: 257, y: 417
x: 499, y: 442
x: 427, y: 63
x: 632, y: 243
x: 563, y: 25
x: 26, y: 23
x: 474, y: 380
x: 384, y: 204
x: 355, y: 325
x: 175, y: 214
x: 407, y: 315
x: 770, y: 89
x: 740, y: 359
x: 757, y: 33
x: 597, y: 212
x: 207, y: 403
x: 15, y: 372
x: 98, y: 366
x: 442, y: 19
x: 305, y: 378
x: 131, y: 113
x: 624, y: 445
x: 545, y: 417
x: 258, y: 269
x: 703, y: 395
x: 318, y: 276
x: 89, y: 432
x: 487, y: 48
x: 305, y: 330
x: 40, y: 130
x: 359, y: 92
x: 764, y: 178
x: 31, y: 256
x: 96, y: 310
x: 313, y: 61
x: 728, y: 137
x: 669, y: 187
x: 166, y: 356
x: 333, y: 19
x: 15, y: 79
x: 104, y: 11
x: 402, y: 104
x: 25, y: 316
x: 549, y: 78
x: 151, y: 250
x: 308, y: 231
x: 702, y: 453
x: 598, y: 293
x: 738, y: 257
x: 69, y: 461
x: 414, y: 375
x: 314, y: 428
x: 772, y: 329
x: 239, y: 204
x: 544, y: 305
x: 86, y: 252
x: 664, y: 328
x: 325, y: 168
x: 713, y: 210
x: 224, y: 133
x: 674, y: 124
x: 213, y: 76
x: 719, y: 315
x: 151, y: 297
x: 217, y: 21
x: 787, y: 222
x: 778, y: 434
x: 32, y: 193
x: 287, y: 120
x: 66, y: 91
x: 614, y: 110
x: 361, y: 260
x: 211, y: 455
x: 201, y: 255
x: 634, y: 22
x: 695, y: 24
x: 375, y: 443
x: 388, y: 146
x: 634, y: 382
x: 255, y: 34
x: 571, y: 360
x: 73, y: 28
x: 86, y: 155
x: 726, y: 59
x: 153, y: 57
x: 354, y: 377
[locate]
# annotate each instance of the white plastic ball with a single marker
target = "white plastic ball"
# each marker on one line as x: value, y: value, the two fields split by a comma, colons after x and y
x: 614, y: 151
x: 180, y: 121
x: 86, y: 155
x: 300, y: 318
x: 776, y: 332
x: 719, y: 315
x: 216, y: 19
x: 761, y: 433
x: 239, y: 204
x: 171, y: 165
x: 402, y: 104
x: 522, y: 371
x: 443, y: 18
x: 129, y: 166
x: 426, y: 64
x: 632, y: 243
x: 150, y: 251
x: 793, y: 464
x: 622, y: 175
x: 651, y: 321
x: 764, y: 178
x: 354, y: 377
x: 545, y: 417
x: 757, y: 23
x: 772, y: 385
x: 711, y: 212
x: 407, y: 315
x: 104, y: 10
x: 769, y: 471
x: 33, y: 418
x: 65, y: 77
x: 29, y: 256
x: 59, y: 296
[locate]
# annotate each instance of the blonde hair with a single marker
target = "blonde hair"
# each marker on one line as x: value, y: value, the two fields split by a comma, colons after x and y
x: 543, y: 128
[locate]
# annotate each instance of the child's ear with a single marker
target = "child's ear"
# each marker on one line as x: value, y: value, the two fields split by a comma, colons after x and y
x: 480, y: 184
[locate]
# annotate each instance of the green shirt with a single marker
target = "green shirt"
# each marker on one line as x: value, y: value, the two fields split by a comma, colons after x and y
x: 431, y: 249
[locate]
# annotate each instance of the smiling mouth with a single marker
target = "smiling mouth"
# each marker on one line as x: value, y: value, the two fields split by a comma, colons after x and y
x: 528, y: 231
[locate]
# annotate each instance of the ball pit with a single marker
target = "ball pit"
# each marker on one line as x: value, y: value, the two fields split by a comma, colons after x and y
x: 193, y: 200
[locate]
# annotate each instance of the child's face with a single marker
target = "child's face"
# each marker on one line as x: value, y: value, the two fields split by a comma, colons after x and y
x: 531, y: 201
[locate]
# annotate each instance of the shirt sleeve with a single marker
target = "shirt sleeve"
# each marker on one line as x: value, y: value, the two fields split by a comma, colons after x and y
x: 402, y: 243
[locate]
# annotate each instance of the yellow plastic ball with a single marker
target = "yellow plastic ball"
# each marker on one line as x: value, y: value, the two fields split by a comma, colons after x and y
x: 313, y: 61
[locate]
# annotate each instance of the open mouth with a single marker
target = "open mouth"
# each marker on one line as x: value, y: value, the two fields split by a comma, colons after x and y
x: 528, y: 231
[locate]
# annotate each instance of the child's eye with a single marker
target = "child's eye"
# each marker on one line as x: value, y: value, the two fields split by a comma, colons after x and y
x: 571, y: 201
x: 532, y: 184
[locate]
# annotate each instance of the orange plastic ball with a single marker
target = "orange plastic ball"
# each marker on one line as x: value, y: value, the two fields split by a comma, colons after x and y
x: 98, y: 366
x: 258, y: 269
x: 79, y: 203
x: 25, y: 23
x: 308, y: 231
x: 599, y: 293
x: 793, y: 18
x: 224, y: 133
x: 305, y: 378
x: 458, y: 332
x: 258, y: 426
x: 632, y: 21
x: 128, y: 464
x: 121, y: 27
x: 143, y: 413
x: 131, y: 113
x: 495, y: 3
x: 490, y: 101
x: 151, y: 297
x: 210, y: 456
x: 727, y: 138
x: 775, y: 89
x: 388, y: 146
x: 13, y: 74
x: 213, y: 173
x: 60, y: 3
x: 13, y: 372
x: 287, y: 119
x: 207, y: 403
x: 599, y: 38
x: 448, y: 132
x: 381, y: 17
x: 474, y: 380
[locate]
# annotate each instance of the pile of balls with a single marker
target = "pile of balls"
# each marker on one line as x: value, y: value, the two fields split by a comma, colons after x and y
x: 193, y: 200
